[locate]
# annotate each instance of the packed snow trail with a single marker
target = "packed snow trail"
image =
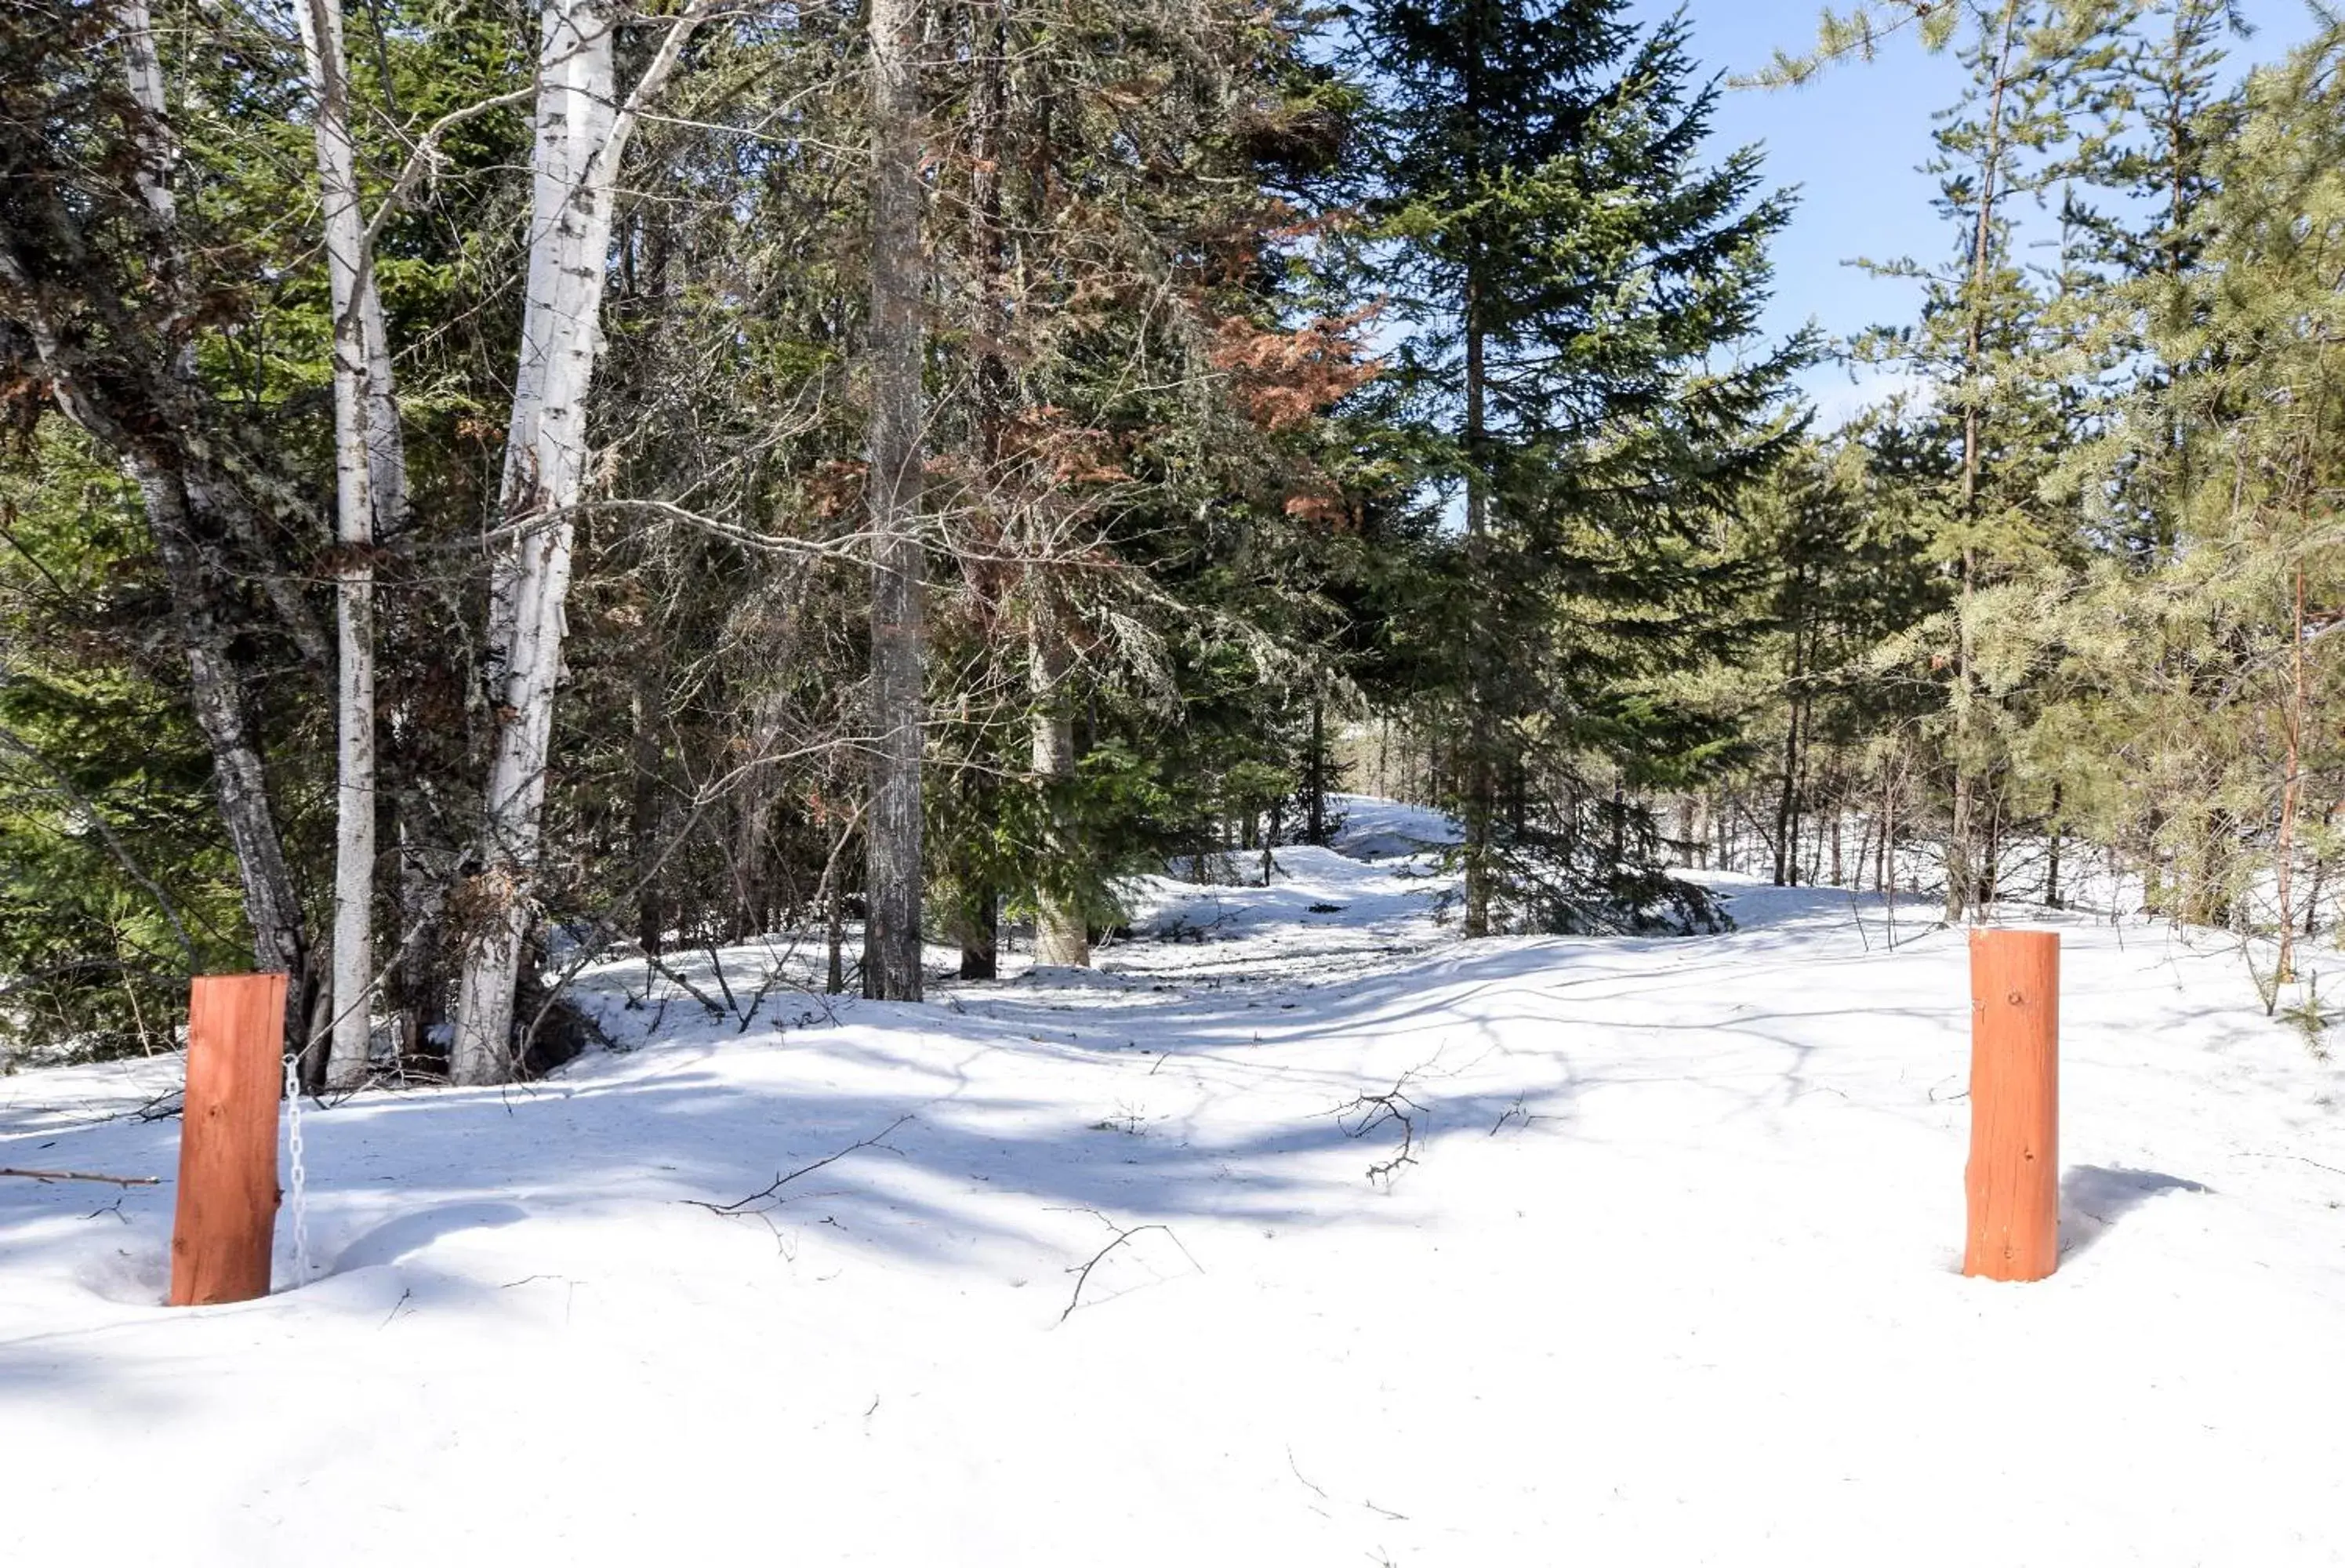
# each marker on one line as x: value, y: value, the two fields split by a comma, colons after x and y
x: 1668, y: 1277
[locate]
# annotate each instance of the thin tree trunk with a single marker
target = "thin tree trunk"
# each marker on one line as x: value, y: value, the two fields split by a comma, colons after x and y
x: 176, y: 499
x: 1888, y: 876
x: 2052, y: 867
x: 1991, y: 863
x: 1062, y: 933
x: 980, y: 935
x: 581, y: 135
x: 1959, y: 889
x: 892, y: 840
x: 2320, y: 876
x: 1480, y: 781
x: 2284, y: 853
x: 1315, y: 804
x: 834, y: 932
x: 1787, y: 803
x: 645, y: 757
x: 350, y: 286
x: 1479, y: 784
x: 979, y: 922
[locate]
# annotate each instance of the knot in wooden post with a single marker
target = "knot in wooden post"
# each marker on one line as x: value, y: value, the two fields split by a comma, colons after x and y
x: 2012, y: 1180
x: 225, y: 1224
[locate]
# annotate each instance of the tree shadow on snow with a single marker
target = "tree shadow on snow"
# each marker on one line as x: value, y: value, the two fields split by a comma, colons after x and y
x: 993, y: 1123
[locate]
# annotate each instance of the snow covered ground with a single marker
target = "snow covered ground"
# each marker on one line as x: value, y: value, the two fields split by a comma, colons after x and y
x: 1667, y: 1274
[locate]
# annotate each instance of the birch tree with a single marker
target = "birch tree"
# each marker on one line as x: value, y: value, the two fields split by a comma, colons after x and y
x: 364, y: 460
x: 582, y: 132
x: 102, y: 285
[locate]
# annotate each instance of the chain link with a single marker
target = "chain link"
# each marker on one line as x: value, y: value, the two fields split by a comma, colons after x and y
x: 298, y: 1174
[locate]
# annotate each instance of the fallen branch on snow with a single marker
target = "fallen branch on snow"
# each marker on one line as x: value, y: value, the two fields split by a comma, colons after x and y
x: 82, y: 1175
x: 1082, y: 1272
x: 1363, y: 1114
x: 742, y: 1206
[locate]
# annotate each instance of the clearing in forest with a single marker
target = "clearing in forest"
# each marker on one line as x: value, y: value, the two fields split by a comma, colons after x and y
x: 1298, y: 1232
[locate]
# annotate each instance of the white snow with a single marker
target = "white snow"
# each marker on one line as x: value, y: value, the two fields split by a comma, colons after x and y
x: 1671, y: 1279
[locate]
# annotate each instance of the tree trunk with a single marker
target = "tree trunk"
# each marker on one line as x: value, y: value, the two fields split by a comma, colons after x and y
x: 355, y: 370
x: 1887, y: 877
x: 1315, y: 799
x: 1787, y: 803
x: 2291, y: 792
x: 1479, y: 784
x: 979, y: 920
x: 1061, y: 935
x: 834, y: 932
x: 645, y: 754
x: 272, y: 906
x: 1480, y: 781
x: 1990, y: 878
x: 2319, y: 875
x: 980, y: 935
x: 178, y: 500
x: 1959, y: 889
x: 2052, y: 863
x: 148, y: 412
x: 892, y: 930
x: 581, y: 133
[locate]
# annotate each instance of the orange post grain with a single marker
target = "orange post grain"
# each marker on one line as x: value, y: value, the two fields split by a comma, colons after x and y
x: 227, y: 1216
x: 2014, y: 1176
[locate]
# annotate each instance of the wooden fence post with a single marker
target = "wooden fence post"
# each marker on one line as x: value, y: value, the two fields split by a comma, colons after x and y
x: 2013, y: 1181
x: 227, y: 1220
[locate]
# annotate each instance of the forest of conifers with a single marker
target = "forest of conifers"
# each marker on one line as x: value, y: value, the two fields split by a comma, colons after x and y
x: 486, y: 485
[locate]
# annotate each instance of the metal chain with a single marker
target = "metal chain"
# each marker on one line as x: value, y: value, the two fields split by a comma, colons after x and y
x: 298, y: 1174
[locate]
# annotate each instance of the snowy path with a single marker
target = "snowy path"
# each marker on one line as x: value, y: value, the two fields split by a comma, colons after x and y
x: 1671, y: 1280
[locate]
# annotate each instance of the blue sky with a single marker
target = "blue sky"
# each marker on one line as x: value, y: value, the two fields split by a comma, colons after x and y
x: 1852, y: 142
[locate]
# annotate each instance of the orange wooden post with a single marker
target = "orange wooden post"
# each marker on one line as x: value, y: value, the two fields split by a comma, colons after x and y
x: 2014, y: 1178
x: 227, y: 1219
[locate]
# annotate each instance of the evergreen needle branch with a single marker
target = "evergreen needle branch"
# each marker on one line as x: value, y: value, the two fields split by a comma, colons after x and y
x: 11, y: 741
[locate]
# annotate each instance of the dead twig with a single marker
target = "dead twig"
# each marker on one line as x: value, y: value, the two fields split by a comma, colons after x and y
x: 1363, y: 1114
x: 1518, y: 1111
x: 1083, y: 1273
x: 82, y: 1176
x: 742, y: 1206
x: 162, y: 1107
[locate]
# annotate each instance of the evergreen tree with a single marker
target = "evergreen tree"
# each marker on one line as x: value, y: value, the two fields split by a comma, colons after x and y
x: 1568, y: 272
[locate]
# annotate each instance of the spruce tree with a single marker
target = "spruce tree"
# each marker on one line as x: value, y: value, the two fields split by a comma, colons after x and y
x: 1571, y: 274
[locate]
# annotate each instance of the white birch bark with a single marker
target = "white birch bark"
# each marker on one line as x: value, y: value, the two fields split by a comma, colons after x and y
x: 158, y: 152
x: 386, y: 450
x: 580, y: 137
x: 360, y: 390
